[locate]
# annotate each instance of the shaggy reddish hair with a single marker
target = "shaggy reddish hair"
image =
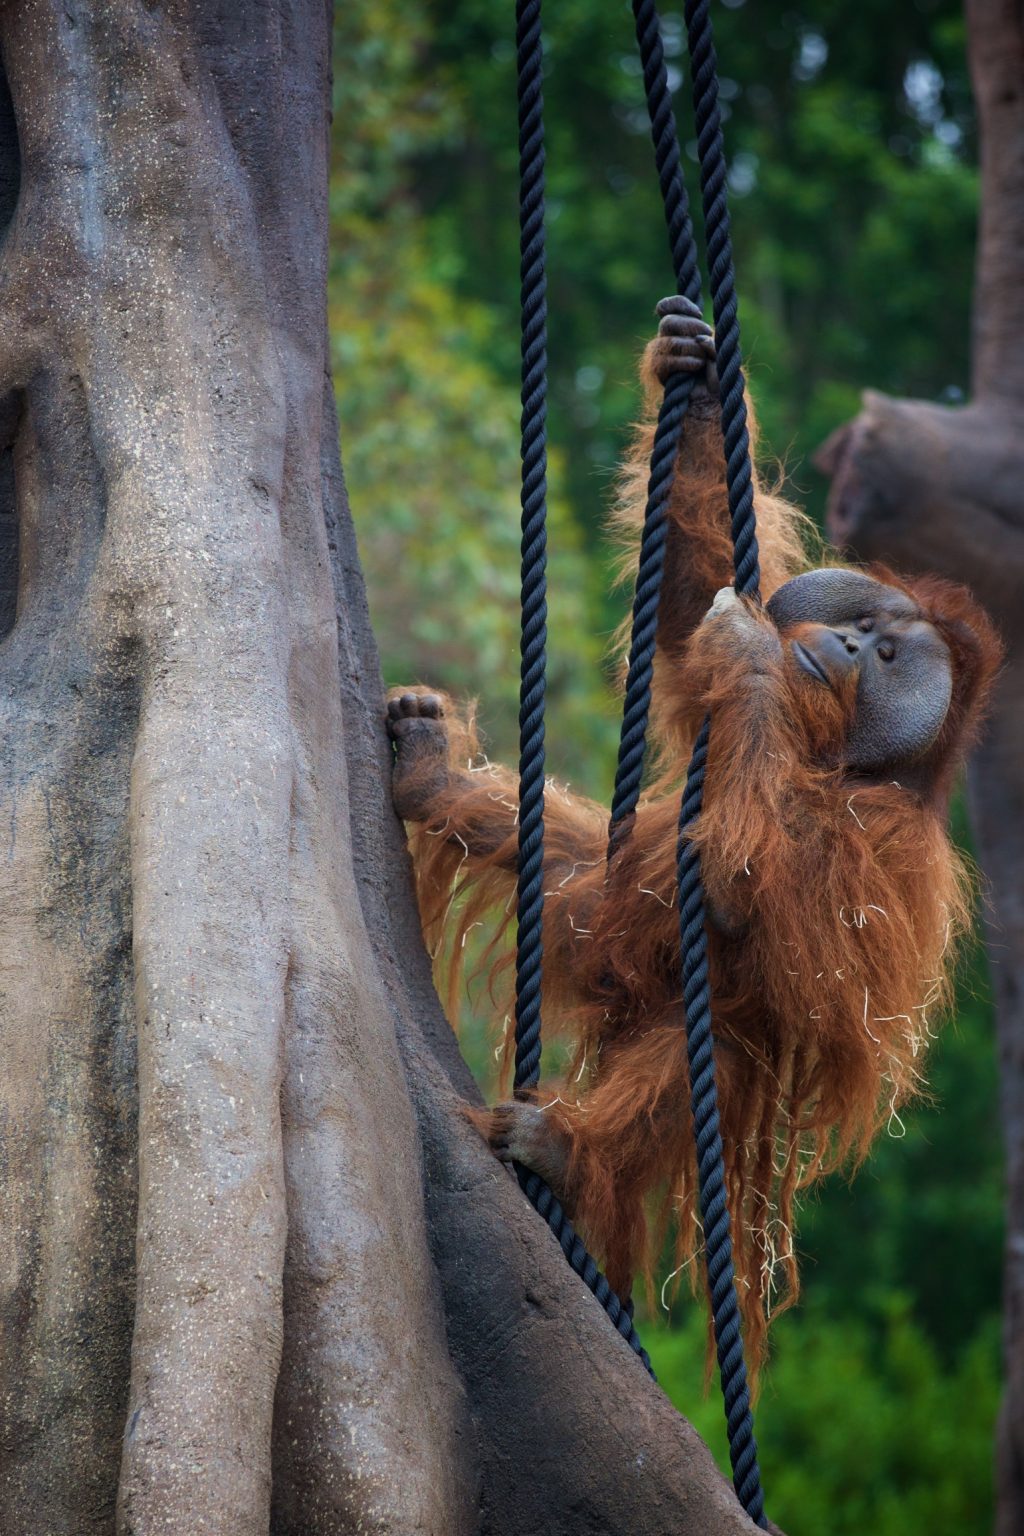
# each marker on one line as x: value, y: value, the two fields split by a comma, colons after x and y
x: 836, y: 906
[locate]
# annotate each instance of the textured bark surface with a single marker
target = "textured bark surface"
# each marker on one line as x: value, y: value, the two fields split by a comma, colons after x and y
x: 925, y: 488
x: 257, y: 1275
x: 193, y: 1023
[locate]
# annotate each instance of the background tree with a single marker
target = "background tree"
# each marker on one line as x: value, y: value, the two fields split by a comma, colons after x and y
x: 929, y: 487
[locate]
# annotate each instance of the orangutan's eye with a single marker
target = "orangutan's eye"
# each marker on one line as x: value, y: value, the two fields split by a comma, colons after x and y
x: 886, y: 650
x: 865, y: 626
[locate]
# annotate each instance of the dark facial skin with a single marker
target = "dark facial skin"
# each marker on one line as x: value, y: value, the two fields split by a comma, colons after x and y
x: 852, y: 624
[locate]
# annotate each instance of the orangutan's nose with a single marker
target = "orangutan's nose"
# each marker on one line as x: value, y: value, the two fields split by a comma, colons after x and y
x: 849, y: 640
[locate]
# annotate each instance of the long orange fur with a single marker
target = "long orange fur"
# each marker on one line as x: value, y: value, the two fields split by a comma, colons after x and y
x: 839, y: 906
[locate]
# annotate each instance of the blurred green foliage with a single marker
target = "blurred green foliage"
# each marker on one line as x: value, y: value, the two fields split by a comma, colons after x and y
x: 851, y: 139
x: 429, y: 416
x: 864, y: 1424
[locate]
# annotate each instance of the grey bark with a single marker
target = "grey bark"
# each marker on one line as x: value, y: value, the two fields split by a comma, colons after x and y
x: 257, y: 1274
x: 927, y: 488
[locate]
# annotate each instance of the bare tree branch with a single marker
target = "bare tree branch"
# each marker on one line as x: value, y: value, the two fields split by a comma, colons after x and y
x: 996, y: 49
x: 924, y: 488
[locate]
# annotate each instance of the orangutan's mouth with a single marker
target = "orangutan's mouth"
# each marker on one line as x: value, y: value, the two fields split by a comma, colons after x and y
x: 810, y: 663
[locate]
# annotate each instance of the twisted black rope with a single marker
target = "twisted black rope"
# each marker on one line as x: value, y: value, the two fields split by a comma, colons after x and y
x: 666, y: 149
x: 546, y: 1203
x: 696, y: 991
x: 530, y: 889
x: 671, y: 415
x: 693, y: 933
x: 714, y: 1207
x: 711, y: 153
x: 533, y: 638
x: 632, y: 745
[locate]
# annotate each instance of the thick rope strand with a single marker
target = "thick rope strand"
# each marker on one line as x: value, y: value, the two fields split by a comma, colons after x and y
x: 693, y: 931
x: 533, y: 638
x: 710, y: 1159
x: 545, y: 1202
x: 711, y: 154
x: 643, y: 636
x: 714, y: 1207
x: 667, y: 159
x: 533, y: 644
x: 675, y: 401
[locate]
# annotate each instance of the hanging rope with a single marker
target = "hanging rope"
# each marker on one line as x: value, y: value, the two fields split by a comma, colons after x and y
x: 632, y: 748
x: 533, y: 496
x: 711, y: 155
x: 671, y: 415
x: 636, y: 711
x: 714, y: 1205
x: 530, y: 888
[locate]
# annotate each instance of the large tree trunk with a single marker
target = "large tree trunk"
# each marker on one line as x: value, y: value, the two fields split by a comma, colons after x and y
x: 256, y: 1272
x: 930, y: 488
